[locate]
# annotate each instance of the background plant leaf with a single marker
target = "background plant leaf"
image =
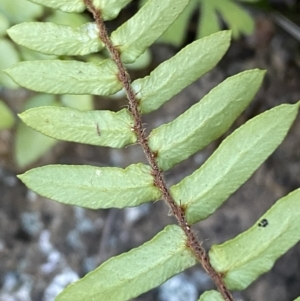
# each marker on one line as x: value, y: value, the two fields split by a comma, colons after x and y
x: 235, y: 160
x: 79, y: 102
x: 238, y: 20
x: 68, y: 6
x: 6, y: 116
x: 211, y: 13
x: 18, y: 11
x: 30, y: 145
x: 211, y: 296
x: 139, y: 270
x: 140, y: 31
x: 93, y: 187
x: 57, y: 39
x: 178, y: 30
x: 110, y: 8
x: 8, y: 57
x: 4, y: 24
x: 250, y: 1
x: 243, y: 259
x: 170, y: 77
x: 69, y: 19
x: 142, y: 62
x: 104, y: 128
x: 27, y: 54
x: 67, y: 77
x: 205, y: 121
x: 209, y: 20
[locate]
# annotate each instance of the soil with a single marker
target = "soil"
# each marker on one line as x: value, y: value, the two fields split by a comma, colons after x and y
x: 45, y: 245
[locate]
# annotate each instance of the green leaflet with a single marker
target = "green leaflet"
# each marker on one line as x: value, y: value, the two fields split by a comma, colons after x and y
x: 6, y: 116
x: 148, y: 24
x: 238, y: 156
x: 255, y: 251
x: 67, y: 77
x: 130, y: 274
x: 205, y: 121
x: 104, y: 128
x: 170, y: 77
x: 110, y: 8
x: 57, y: 39
x: 211, y: 296
x: 298, y: 299
x: 64, y: 5
x: 93, y: 187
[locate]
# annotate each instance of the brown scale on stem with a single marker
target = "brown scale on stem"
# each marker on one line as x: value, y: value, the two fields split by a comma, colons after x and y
x: 177, y: 210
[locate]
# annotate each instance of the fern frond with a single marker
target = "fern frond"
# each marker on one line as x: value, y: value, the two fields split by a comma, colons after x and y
x: 234, y: 264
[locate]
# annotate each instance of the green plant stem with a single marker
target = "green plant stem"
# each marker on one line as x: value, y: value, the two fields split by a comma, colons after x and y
x: 178, y: 211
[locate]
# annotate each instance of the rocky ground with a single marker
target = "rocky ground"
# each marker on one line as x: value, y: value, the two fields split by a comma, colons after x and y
x: 45, y: 245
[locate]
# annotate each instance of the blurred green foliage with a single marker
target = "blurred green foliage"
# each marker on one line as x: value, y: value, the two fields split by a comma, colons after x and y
x: 31, y: 145
x: 212, y: 13
x: 6, y: 116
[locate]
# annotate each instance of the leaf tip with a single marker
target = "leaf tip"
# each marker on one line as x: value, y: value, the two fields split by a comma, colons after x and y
x: 21, y: 177
x: 21, y: 115
x: 262, y: 73
x: 9, y: 31
x: 228, y: 33
x: 12, y: 30
x: 259, y: 73
x: 8, y: 71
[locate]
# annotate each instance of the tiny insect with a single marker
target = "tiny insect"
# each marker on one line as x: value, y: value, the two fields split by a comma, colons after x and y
x: 263, y: 223
x: 98, y: 129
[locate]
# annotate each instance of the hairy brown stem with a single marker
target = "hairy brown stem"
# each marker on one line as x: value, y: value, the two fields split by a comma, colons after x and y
x: 178, y: 211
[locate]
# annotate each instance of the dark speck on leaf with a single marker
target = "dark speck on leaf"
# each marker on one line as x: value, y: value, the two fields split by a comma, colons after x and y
x: 263, y: 223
